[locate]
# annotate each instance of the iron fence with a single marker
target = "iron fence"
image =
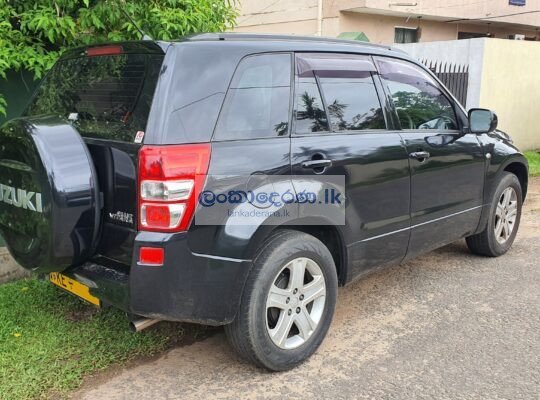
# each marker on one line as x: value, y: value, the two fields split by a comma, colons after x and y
x: 455, y: 77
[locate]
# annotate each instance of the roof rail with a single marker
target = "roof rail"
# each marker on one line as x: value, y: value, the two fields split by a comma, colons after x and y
x: 266, y: 36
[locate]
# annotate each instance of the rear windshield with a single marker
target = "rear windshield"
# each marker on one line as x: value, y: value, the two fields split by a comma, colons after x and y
x: 105, y: 97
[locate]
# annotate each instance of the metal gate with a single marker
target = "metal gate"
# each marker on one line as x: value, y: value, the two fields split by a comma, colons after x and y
x: 455, y: 77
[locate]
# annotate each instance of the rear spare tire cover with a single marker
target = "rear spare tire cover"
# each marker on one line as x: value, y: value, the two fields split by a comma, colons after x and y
x: 49, y: 196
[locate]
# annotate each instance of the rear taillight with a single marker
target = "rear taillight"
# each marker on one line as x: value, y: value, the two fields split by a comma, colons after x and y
x: 170, y: 180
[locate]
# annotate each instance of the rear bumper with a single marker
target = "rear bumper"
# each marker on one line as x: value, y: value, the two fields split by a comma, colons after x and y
x: 188, y: 287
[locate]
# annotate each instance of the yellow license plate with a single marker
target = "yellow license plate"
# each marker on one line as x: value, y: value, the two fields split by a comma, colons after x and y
x: 72, y: 286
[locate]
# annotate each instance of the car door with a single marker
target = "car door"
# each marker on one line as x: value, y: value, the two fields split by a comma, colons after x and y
x: 447, y: 167
x: 250, y: 146
x: 340, y: 128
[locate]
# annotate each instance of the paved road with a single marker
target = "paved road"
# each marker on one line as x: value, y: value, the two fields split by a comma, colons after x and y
x: 448, y: 325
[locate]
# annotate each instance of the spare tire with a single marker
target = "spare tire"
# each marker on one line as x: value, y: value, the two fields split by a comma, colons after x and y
x: 49, y: 195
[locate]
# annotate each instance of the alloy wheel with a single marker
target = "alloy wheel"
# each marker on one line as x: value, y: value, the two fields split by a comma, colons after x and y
x: 295, y: 303
x: 506, y: 215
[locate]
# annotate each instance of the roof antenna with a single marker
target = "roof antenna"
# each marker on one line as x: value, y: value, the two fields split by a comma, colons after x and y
x: 143, y: 34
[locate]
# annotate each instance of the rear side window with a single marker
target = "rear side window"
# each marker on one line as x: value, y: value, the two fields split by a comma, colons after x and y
x: 257, y: 102
x: 310, y: 114
x: 104, y: 96
x: 352, y: 101
x: 419, y: 102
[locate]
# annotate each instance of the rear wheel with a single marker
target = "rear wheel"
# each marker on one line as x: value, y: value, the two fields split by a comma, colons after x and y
x: 288, y: 302
x: 503, y: 222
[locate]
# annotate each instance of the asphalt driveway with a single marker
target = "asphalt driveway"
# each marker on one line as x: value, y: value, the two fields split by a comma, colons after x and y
x: 448, y: 325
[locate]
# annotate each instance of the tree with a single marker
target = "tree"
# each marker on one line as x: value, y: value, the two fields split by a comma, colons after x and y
x: 33, y: 34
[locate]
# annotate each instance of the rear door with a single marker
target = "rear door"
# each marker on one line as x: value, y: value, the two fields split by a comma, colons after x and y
x: 447, y: 178
x: 250, y: 153
x: 106, y: 92
x: 340, y: 120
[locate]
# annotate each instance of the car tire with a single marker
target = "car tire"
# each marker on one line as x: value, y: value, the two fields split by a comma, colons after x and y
x: 279, y: 338
x: 503, y: 220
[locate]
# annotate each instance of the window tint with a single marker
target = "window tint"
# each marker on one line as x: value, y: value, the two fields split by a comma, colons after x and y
x: 310, y: 115
x: 419, y: 102
x: 351, y: 100
x: 106, y: 97
x: 257, y: 103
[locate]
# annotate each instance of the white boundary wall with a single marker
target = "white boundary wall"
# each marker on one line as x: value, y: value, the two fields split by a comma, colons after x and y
x: 504, y: 76
x: 462, y: 52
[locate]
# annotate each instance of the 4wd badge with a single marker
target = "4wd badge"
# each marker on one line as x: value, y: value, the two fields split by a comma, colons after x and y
x: 121, y: 216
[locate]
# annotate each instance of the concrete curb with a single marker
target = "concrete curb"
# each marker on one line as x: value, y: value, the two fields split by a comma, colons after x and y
x: 9, y: 269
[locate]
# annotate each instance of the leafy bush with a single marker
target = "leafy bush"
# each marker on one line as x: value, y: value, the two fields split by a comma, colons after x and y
x: 33, y: 34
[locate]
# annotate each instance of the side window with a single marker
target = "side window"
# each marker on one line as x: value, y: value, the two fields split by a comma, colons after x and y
x: 349, y: 99
x: 352, y: 101
x: 310, y: 114
x: 257, y: 102
x: 419, y: 102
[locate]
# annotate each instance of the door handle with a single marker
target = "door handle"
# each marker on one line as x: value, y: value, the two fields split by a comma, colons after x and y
x: 420, y: 155
x: 313, y: 164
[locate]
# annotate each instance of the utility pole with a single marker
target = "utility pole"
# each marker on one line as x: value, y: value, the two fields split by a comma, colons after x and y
x: 319, y: 17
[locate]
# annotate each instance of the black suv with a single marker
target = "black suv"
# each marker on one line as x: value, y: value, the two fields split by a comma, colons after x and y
x: 101, y: 179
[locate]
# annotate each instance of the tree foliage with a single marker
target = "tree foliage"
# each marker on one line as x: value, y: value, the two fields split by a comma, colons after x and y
x: 311, y: 110
x: 33, y: 34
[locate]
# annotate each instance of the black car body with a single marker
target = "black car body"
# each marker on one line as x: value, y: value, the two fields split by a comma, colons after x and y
x: 415, y: 180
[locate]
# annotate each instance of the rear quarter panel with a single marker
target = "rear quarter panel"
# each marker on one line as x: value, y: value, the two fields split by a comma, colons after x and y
x: 190, y: 92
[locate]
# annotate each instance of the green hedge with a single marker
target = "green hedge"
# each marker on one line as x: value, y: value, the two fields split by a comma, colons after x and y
x: 534, y: 162
x: 17, y: 89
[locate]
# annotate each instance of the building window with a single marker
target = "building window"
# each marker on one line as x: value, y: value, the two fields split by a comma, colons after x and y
x: 405, y: 35
x: 472, y: 35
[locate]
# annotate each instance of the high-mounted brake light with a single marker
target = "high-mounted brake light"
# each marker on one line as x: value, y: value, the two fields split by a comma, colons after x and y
x: 170, y: 180
x: 104, y: 51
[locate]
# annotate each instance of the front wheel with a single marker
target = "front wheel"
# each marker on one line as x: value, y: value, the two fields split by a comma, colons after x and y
x: 288, y: 302
x: 503, y: 222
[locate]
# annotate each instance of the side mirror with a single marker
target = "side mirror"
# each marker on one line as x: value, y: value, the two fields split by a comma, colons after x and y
x: 482, y: 121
